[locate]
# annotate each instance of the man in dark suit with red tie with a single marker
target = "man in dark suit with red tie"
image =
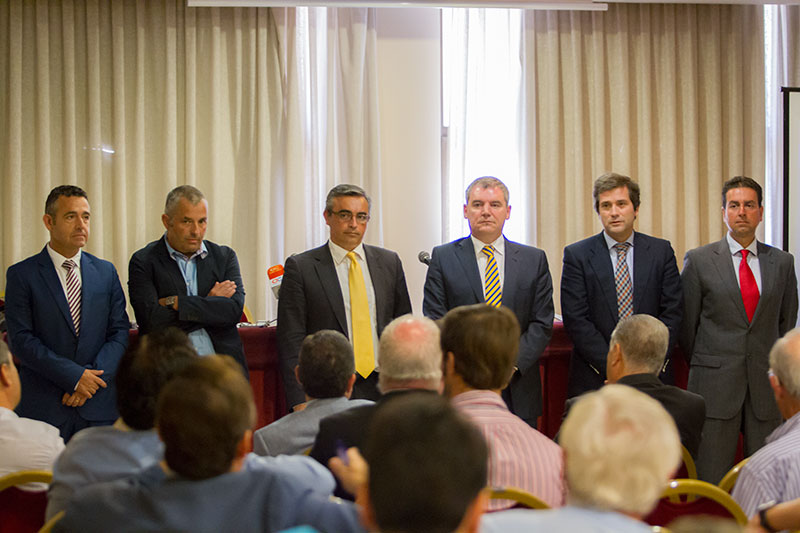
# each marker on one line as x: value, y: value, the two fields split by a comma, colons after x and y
x: 740, y: 297
x: 613, y: 275
x: 67, y: 323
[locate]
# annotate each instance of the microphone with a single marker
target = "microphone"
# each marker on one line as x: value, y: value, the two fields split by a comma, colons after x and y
x: 424, y: 257
x: 275, y: 275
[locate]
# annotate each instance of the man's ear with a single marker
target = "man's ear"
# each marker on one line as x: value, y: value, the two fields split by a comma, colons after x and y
x: 472, y: 517
x: 297, y: 374
x: 165, y: 220
x: 777, y: 388
x: 350, y: 383
x: 245, y: 445
x: 5, y: 375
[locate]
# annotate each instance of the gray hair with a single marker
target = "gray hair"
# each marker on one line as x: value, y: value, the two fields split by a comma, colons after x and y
x: 487, y: 182
x: 784, y: 358
x: 644, y: 341
x: 345, y: 189
x: 610, y: 181
x: 409, y: 351
x: 604, y: 469
x: 192, y: 194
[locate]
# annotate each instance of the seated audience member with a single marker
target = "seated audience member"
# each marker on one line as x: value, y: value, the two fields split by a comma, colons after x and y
x: 783, y: 516
x: 636, y: 355
x: 105, y: 453
x: 326, y: 372
x: 203, y: 417
x: 620, y: 449
x: 773, y: 473
x: 427, y: 469
x: 479, y: 346
x: 25, y: 444
x: 409, y: 358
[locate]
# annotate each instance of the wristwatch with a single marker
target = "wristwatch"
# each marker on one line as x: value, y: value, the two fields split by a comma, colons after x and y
x: 762, y: 516
x: 170, y: 301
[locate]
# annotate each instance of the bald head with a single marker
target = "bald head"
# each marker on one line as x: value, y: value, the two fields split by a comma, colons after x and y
x: 784, y: 359
x: 409, y: 354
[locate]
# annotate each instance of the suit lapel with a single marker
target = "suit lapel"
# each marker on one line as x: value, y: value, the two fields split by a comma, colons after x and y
x: 766, y: 263
x: 330, y: 284
x: 510, y: 271
x: 50, y: 278
x: 465, y: 252
x: 600, y: 261
x: 380, y: 284
x: 88, y: 273
x: 642, y: 262
x: 724, y: 265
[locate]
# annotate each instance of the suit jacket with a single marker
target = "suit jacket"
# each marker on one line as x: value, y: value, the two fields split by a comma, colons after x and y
x: 350, y: 428
x: 295, y: 432
x: 153, y: 274
x: 41, y: 334
x: 589, y: 300
x: 259, y: 498
x: 311, y: 300
x: 454, y: 280
x: 728, y: 355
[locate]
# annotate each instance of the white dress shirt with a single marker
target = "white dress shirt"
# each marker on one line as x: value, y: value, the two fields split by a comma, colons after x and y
x: 752, y: 259
x: 27, y: 444
x: 58, y: 262
x: 499, y: 257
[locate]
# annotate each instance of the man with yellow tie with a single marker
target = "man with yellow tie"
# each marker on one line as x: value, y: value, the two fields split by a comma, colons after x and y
x: 343, y: 285
x: 487, y: 267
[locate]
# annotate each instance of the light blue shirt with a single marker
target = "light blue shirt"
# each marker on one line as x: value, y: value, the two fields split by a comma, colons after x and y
x: 565, y: 520
x: 188, y: 267
x: 610, y: 242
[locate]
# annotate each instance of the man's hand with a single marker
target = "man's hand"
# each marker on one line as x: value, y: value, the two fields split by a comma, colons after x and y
x: 226, y: 289
x: 73, y: 400
x: 89, y: 383
x: 353, y: 475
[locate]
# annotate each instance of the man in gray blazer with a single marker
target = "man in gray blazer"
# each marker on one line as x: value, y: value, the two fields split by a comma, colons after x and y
x: 740, y: 296
x: 316, y: 292
x: 326, y: 371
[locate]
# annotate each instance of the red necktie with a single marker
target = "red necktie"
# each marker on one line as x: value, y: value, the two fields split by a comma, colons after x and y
x: 749, y: 288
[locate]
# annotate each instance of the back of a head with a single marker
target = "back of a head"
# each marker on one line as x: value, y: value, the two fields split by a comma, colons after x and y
x: 621, y: 447
x: 427, y: 465
x: 145, y: 369
x: 202, y: 416
x: 325, y: 364
x: 784, y: 359
x: 644, y: 341
x: 409, y: 353
x: 484, y: 341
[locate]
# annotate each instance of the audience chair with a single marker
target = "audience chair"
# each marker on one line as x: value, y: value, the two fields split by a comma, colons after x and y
x: 692, y: 496
x: 519, y: 496
x: 50, y: 524
x: 688, y: 470
x: 730, y: 478
x: 22, y: 511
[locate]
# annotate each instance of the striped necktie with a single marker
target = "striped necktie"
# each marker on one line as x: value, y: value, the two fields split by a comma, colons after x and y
x: 622, y: 279
x: 363, y: 350
x: 492, y: 291
x: 73, y: 293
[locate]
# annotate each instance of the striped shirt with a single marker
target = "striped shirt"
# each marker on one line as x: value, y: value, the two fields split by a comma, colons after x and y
x: 773, y: 472
x: 519, y: 456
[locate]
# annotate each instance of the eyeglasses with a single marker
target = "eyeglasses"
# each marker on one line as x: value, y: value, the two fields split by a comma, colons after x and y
x: 346, y: 216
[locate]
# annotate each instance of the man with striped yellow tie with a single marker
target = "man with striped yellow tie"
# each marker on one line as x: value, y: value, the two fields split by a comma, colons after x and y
x: 487, y: 267
x: 343, y: 285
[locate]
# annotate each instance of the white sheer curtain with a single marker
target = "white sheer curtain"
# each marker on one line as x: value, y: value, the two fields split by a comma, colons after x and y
x: 262, y: 110
x: 481, y: 87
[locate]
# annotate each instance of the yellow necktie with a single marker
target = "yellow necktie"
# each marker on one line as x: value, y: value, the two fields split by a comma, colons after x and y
x: 493, y: 291
x: 359, y: 314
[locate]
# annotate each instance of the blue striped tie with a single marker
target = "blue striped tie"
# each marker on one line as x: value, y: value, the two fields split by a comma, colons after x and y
x: 493, y: 291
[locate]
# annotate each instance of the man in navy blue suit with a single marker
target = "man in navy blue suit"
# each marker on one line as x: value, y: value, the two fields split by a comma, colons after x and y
x: 67, y: 323
x: 487, y: 267
x: 613, y: 275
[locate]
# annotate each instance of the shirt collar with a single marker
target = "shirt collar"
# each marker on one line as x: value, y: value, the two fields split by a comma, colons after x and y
x: 59, y: 259
x: 479, y: 396
x: 610, y: 241
x: 735, y: 247
x: 339, y: 254
x: 175, y: 254
x: 499, y: 245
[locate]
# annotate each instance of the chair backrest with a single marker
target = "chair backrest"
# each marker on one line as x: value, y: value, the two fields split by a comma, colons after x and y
x: 521, y: 497
x: 688, y: 470
x: 730, y: 478
x: 702, y: 498
x: 22, y: 511
x: 48, y: 526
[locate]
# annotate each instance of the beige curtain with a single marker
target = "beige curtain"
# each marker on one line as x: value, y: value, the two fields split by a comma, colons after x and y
x: 129, y: 99
x: 672, y: 95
